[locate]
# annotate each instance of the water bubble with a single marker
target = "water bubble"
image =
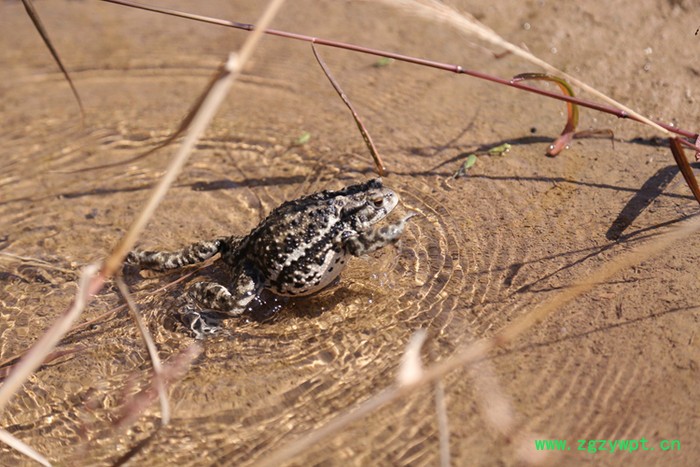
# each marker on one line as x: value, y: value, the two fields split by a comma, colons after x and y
x: 526, y: 26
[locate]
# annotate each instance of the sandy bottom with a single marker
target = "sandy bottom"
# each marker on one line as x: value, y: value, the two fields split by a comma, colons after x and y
x: 619, y: 362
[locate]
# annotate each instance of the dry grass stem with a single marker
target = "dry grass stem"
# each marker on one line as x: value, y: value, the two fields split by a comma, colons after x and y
x: 173, y: 371
x: 7, y: 365
x: 620, y: 111
x: 411, y: 368
x: 494, y: 405
x: 480, y: 349
x: 97, y: 319
x: 22, y: 447
x: 89, y: 282
x: 92, y: 279
x: 475, y: 351
x: 443, y: 424
x: 152, y: 352
x: 34, y: 16
x: 209, y: 104
x: 684, y: 166
x: 365, y: 134
x: 216, y: 92
x: 438, y: 11
x: 34, y: 262
x: 46, y: 343
x: 312, y: 438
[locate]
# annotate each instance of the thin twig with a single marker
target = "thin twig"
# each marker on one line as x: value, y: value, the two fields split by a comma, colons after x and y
x: 21, y: 446
x: 6, y: 366
x: 684, y: 166
x: 34, y: 16
x: 216, y: 92
x: 46, y: 343
x: 93, y: 277
x: 365, y: 134
x: 618, y: 112
x: 439, y: 11
x: 36, y: 262
x: 569, y: 131
x: 173, y: 371
x: 152, y: 351
x: 481, y: 348
x: 443, y: 423
x: 97, y: 319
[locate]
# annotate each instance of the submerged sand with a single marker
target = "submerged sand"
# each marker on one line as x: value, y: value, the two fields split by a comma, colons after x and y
x: 620, y: 362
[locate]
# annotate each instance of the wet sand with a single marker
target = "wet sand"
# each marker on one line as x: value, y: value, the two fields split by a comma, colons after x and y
x: 620, y: 362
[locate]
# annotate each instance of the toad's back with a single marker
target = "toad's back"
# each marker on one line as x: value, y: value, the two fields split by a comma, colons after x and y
x: 297, y: 249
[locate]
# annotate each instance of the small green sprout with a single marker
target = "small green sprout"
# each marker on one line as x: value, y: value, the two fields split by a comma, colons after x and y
x: 499, y: 150
x: 382, y: 62
x: 303, y: 139
x: 468, y: 163
x: 471, y: 158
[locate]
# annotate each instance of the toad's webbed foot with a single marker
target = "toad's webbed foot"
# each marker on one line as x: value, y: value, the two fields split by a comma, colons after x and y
x: 218, y: 303
x: 201, y: 324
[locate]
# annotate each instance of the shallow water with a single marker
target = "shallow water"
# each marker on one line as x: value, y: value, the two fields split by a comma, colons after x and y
x: 483, y: 250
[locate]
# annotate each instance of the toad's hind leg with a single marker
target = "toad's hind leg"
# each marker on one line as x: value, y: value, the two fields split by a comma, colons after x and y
x: 164, y: 260
x: 222, y: 301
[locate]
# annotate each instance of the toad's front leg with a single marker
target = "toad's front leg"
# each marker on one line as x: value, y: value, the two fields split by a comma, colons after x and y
x: 219, y: 301
x: 367, y: 242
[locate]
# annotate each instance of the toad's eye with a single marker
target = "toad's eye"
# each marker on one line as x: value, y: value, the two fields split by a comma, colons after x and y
x: 378, y: 201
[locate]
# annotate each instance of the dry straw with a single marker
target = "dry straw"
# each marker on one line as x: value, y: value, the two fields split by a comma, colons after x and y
x: 480, y: 349
x: 158, y: 381
x: 93, y: 276
x: 438, y: 11
x: 412, y: 375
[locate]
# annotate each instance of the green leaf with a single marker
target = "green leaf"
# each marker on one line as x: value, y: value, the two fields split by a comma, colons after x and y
x: 468, y: 163
x: 471, y: 160
x: 499, y: 150
x: 303, y: 139
x: 382, y: 62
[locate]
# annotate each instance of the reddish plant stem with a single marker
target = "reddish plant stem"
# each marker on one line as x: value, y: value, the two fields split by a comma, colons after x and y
x: 417, y: 61
x: 684, y: 166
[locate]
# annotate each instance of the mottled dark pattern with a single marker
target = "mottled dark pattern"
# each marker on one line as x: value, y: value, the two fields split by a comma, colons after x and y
x: 298, y: 249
